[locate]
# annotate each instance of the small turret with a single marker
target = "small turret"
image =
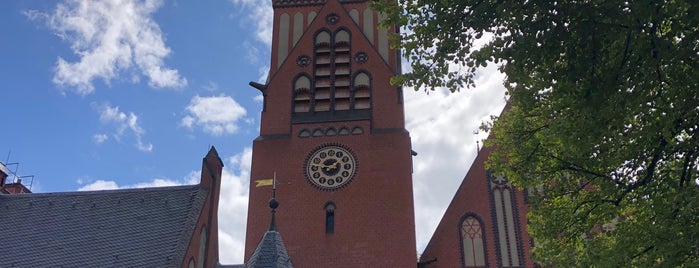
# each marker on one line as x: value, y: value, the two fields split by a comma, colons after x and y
x: 270, y: 252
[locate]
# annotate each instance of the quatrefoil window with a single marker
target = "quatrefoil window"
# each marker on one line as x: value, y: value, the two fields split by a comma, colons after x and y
x: 361, y: 57
x: 303, y: 61
x: 332, y: 19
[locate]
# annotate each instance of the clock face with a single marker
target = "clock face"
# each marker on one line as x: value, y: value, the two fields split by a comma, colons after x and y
x: 330, y: 167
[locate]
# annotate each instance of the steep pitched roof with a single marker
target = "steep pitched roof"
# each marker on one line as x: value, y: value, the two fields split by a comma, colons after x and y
x: 270, y: 253
x: 148, y: 227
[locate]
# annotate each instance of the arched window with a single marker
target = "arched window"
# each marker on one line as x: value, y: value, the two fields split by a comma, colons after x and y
x: 342, y: 38
x: 332, y: 90
x: 342, y: 70
x: 323, y: 72
x: 362, y: 91
x: 191, y: 263
x: 505, y: 219
x: 330, y: 217
x: 202, y: 248
x: 302, y: 94
x: 283, y: 40
x: 329, y: 89
x: 472, y: 242
x: 323, y: 38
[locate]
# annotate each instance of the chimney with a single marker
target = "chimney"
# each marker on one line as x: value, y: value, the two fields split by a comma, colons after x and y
x: 4, y: 172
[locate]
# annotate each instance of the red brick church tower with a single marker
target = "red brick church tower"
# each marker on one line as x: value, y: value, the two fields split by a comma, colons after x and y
x: 333, y: 131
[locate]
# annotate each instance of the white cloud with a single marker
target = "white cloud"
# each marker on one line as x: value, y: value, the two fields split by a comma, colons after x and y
x: 100, y: 138
x: 442, y: 126
x: 261, y: 14
x: 264, y: 73
x: 99, y: 185
x: 109, y: 38
x: 216, y: 115
x: 233, y: 207
x: 124, y: 124
x: 210, y: 86
x: 156, y: 183
x: 112, y: 185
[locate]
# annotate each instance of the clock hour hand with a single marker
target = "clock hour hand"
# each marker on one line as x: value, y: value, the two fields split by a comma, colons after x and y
x: 327, y: 167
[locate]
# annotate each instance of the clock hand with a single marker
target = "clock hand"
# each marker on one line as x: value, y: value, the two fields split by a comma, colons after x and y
x: 327, y: 167
x: 332, y: 166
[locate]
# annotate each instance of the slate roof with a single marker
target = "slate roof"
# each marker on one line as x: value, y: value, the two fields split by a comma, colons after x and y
x: 270, y: 253
x: 149, y: 227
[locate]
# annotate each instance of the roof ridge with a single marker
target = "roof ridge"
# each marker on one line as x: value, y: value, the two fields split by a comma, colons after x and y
x: 102, y: 192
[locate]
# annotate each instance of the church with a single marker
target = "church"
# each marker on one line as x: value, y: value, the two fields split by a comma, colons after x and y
x: 334, y: 126
x: 333, y: 133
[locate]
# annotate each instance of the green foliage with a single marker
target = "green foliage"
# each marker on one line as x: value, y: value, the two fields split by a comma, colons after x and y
x: 603, y: 115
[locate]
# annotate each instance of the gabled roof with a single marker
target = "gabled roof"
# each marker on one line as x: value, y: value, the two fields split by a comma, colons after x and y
x: 148, y: 227
x: 270, y: 253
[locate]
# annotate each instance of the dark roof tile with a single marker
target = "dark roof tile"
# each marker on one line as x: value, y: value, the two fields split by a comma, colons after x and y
x: 117, y: 228
x: 270, y: 253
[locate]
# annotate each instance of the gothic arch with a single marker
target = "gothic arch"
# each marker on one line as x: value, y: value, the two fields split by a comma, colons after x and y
x: 506, y: 225
x: 203, y: 239
x: 302, y: 93
x: 474, y: 250
x: 361, y: 90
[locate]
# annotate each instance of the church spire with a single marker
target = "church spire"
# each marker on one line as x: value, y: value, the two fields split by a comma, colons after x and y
x: 271, y: 252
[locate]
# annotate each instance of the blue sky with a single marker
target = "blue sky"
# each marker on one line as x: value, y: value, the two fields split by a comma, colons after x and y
x: 106, y: 94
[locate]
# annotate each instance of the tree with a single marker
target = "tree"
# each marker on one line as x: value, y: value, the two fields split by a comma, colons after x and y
x: 603, y: 115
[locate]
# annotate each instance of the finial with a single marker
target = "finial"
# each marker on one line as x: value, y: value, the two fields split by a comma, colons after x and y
x: 273, y: 203
x: 478, y: 145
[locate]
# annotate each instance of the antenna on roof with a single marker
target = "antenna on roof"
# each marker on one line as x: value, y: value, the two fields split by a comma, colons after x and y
x: 15, y: 178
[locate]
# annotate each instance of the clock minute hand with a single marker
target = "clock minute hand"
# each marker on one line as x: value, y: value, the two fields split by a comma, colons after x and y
x: 331, y: 166
x: 321, y: 166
